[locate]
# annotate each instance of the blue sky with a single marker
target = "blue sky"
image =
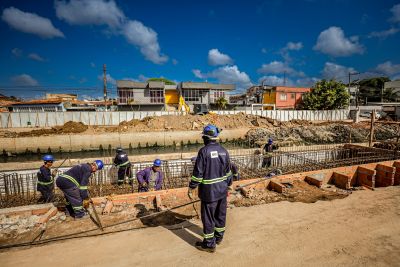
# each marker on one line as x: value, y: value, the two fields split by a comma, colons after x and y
x: 60, y: 46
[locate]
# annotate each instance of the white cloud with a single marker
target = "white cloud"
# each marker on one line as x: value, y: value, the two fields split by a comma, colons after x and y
x: 332, y: 41
x: 106, y: 12
x: 198, y: 73
x: 92, y: 12
x: 109, y: 79
x: 146, y: 39
x: 294, y: 46
x: 395, y: 13
x: 16, y: 52
x: 24, y: 80
x: 337, y: 72
x: 274, y: 80
x: 216, y: 58
x: 388, y: 68
x: 383, y: 34
x: 227, y: 74
x: 36, y: 57
x: 30, y: 23
x: 307, y: 81
x: 278, y: 67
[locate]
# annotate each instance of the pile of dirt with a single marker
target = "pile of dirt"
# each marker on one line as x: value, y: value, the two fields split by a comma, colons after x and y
x: 69, y: 127
x: 297, y: 191
x: 320, y: 133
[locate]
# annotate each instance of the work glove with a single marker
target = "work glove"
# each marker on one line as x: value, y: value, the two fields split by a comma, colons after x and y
x: 190, y: 193
x: 54, y: 173
x: 86, y: 203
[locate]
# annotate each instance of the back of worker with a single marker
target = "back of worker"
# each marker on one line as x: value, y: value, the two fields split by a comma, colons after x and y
x: 121, y: 161
x: 212, y: 175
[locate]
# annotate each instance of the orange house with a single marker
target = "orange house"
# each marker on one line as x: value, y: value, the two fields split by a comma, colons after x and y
x: 285, y: 97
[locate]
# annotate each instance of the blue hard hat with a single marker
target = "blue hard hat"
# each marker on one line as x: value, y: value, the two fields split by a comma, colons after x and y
x: 211, y: 131
x: 119, y: 149
x: 270, y: 141
x: 48, y: 157
x: 99, y: 164
x: 157, y: 163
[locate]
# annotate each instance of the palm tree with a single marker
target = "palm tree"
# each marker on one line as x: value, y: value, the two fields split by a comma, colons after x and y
x: 221, y: 102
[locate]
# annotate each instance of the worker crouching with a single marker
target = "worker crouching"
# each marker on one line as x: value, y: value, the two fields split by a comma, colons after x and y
x: 74, y: 184
x: 213, y: 176
x: 150, y: 178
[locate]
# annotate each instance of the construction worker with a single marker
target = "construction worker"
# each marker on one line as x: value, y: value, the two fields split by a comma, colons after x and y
x: 268, y: 149
x: 212, y: 175
x: 150, y: 178
x: 235, y: 172
x: 74, y: 184
x: 121, y: 161
x: 45, y: 182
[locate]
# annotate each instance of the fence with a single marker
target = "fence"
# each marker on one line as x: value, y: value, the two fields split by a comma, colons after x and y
x: 104, y: 118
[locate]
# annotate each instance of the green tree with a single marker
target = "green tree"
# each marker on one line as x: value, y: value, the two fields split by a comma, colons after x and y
x: 389, y: 95
x: 221, y: 102
x: 326, y: 95
x: 371, y: 89
x: 161, y: 79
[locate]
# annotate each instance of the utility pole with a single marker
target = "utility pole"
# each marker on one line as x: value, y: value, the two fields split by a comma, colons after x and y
x: 372, y: 128
x: 105, y: 86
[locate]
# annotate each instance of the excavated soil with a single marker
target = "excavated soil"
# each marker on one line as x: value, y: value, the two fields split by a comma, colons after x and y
x: 297, y: 191
x: 69, y: 127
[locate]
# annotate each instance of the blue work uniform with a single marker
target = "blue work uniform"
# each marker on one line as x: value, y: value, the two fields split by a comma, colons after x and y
x: 235, y: 172
x: 45, y: 184
x: 121, y: 161
x: 267, y: 159
x: 213, y: 176
x: 74, y: 184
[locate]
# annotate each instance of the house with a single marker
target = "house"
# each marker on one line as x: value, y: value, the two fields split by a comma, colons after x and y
x: 284, y: 97
x: 38, y: 105
x: 156, y: 95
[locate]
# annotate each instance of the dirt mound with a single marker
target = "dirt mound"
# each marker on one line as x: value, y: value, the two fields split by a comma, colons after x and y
x: 298, y: 191
x: 67, y: 128
x: 319, y: 134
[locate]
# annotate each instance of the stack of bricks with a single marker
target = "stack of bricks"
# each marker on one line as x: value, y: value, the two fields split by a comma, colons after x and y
x: 384, y: 175
x: 342, y: 180
x: 396, y: 181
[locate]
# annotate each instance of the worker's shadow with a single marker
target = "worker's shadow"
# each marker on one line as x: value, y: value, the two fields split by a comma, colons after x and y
x: 178, y: 224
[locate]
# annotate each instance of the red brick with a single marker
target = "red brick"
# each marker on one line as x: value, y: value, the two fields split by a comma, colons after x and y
x: 366, y: 176
x: 46, y: 217
x: 342, y: 180
x: 384, y: 175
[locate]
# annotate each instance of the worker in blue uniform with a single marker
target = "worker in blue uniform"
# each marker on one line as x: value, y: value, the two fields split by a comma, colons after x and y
x: 268, y: 153
x: 74, y: 184
x: 121, y: 161
x: 150, y: 178
x: 213, y: 177
x: 45, y: 180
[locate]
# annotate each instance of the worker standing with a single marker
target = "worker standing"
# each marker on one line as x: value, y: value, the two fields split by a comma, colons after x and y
x: 121, y: 161
x: 74, y: 184
x: 235, y: 172
x: 268, y: 152
x: 45, y: 182
x: 212, y: 175
x: 150, y: 178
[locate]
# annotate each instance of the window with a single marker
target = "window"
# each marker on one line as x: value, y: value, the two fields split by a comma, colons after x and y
x: 156, y: 96
x: 219, y: 94
x: 293, y: 96
x: 125, y: 96
x: 282, y: 96
x: 194, y: 95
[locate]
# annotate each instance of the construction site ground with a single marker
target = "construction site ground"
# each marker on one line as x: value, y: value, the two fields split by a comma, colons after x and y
x: 362, y: 229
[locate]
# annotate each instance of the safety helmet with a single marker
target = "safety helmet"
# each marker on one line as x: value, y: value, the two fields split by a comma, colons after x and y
x: 119, y: 150
x: 211, y: 131
x: 99, y: 164
x: 48, y: 157
x: 193, y: 159
x: 270, y: 141
x: 157, y: 163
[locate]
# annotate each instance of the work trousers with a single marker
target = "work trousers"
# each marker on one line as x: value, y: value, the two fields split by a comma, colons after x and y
x: 122, y: 173
x: 73, y: 198
x: 213, y: 216
x: 47, y: 193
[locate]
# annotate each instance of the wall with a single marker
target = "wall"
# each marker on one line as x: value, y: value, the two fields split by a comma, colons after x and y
x: 49, y: 119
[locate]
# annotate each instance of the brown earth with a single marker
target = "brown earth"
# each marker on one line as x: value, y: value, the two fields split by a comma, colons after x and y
x: 360, y: 230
